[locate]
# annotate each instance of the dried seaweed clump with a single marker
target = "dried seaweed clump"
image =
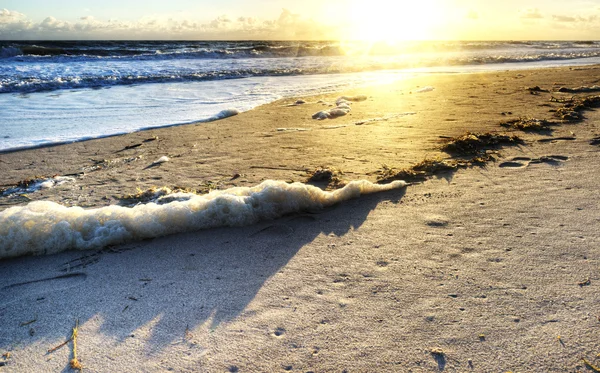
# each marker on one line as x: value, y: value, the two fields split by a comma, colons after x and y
x: 417, y: 172
x: 527, y: 124
x: 572, y: 107
x: 153, y: 194
x: 478, y: 143
x: 327, y: 175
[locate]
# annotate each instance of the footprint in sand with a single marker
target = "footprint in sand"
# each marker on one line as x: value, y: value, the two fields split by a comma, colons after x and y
x: 35, y: 288
x: 278, y: 332
x: 521, y: 162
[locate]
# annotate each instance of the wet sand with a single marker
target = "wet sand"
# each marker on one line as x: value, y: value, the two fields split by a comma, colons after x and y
x: 484, y: 269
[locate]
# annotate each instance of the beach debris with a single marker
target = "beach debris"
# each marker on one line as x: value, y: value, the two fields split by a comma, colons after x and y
x: 425, y: 89
x: 582, y: 89
x: 322, y: 174
x: 106, y: 163
x: 226, y: 114
x: 35, y: 184
x: 299, y: 129
x: 586, y: 282
x: 590, y: 365
x: 417, y: 172
x: 25, y: 323
x: 296, y: 103
x: 128, y: 147
x: 156, y: 195
x: 5, y: 358
x: 536, y: 90
x: 437, y: 351
x: 562, y: 138
x: 328, y: 175
x: 572, y: 107
x: 153, y: 138
x: 528, y: 124
x: 158, y: 162
x: 75, y: 363
x: 478, y: 143
x: 595, y: 141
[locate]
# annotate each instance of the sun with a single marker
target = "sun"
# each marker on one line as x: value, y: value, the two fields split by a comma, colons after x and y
x: 393, y: 21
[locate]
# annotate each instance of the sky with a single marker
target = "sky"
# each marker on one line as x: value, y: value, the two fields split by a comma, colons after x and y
x: 300, y: 19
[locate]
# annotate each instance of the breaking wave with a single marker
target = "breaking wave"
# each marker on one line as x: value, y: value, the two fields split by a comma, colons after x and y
x: 44, y: 227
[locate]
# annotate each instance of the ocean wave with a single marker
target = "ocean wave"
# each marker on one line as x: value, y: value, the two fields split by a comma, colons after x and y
x: 159, y: 50
x: 27, y: 79
x: 44, y: 227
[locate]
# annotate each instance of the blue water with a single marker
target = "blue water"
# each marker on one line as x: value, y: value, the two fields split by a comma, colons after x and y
x: 57, y: 91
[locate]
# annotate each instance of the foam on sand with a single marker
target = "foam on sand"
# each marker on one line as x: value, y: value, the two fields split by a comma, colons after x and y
x: 424, y: 89
x: 34, y: 185
x: 44, y: 227
x: 342, y: 108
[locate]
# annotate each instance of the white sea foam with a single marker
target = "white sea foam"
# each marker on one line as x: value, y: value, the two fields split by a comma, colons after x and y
x: 162, y: 159
x: 226, y: 113
x: 44, y: 227
x: 356, y: 98
x: 38, y: 184
x: 342, y: 108
x: 425, y: 89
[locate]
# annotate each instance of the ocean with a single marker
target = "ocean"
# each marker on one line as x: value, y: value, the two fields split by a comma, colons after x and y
x: 63, y: 91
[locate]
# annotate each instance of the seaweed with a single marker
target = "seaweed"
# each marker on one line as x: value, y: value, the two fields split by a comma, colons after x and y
x: 417, y: 172
x: 478, y: 143
x: 330, y: 176
x: 573, y: 106
x: 154, y: 193
x: 528, y: 124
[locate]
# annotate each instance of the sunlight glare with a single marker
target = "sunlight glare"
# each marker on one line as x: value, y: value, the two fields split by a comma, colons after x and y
x: 393, y: 21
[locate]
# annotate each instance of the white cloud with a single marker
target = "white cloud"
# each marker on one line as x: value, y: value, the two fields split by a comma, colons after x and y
x: 14, y: 25
x: 570, y: 19
x: 531, y: 13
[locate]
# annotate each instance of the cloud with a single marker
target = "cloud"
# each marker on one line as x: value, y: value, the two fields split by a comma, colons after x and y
x: 564, y: 18
x: 15, y: 25
x: 531, y: 13
x: 570, y: 19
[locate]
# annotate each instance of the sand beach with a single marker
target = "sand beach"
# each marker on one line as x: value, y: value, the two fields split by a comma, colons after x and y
x: 485, y: 267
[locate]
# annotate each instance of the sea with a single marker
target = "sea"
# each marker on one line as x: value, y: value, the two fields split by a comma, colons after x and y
x: 63, y: 91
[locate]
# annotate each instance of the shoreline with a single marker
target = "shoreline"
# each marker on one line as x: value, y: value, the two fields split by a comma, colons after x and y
x: 281, y: 141
x: 483, y: 269
x: 414, y: 73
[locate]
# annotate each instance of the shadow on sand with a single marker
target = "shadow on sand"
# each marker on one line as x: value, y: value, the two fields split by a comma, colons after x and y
x: 166, y: 284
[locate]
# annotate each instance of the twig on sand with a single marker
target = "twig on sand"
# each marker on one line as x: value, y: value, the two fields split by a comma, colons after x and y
x: 590, y: 365
x: 59, y: 346
x: 25, y: 323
